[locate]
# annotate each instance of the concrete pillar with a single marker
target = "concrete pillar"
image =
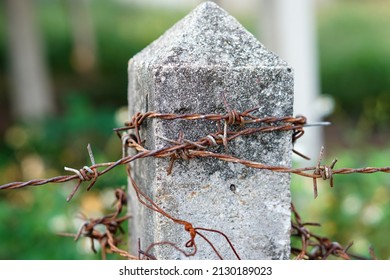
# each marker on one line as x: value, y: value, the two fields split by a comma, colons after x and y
x: 208, y: 63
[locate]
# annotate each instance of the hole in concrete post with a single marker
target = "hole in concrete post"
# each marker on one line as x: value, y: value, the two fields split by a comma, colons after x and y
x: 233, y: 187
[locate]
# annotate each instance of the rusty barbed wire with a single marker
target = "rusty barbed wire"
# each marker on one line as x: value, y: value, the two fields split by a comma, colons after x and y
x: 109, y: 237
x: 90, y: 173
x: 315, y: 247
x: 184, y: 149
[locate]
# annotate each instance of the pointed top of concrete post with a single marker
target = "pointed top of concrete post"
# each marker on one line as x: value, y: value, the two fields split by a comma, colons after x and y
x: 209, y: 36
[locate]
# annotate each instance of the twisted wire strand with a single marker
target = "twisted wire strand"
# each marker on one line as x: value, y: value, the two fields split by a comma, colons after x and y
x: 233, y: 117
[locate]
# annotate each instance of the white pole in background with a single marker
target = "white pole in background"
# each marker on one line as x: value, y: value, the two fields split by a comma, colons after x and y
x: 31, y: 94
x: 289, y: 29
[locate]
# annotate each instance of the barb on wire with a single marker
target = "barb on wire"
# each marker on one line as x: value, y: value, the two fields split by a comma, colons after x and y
x: 324, y: 171
x: 85, y: 174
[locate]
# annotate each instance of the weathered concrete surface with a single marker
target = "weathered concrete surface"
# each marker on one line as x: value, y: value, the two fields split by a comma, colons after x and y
x: 185, y: 71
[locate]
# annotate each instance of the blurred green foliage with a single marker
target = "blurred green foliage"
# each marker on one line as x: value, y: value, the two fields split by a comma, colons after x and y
x: 354, y: 42
x: 31, y: 218
x: 357, y: 209
x: 354, y: 50
x: 121, y: 30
